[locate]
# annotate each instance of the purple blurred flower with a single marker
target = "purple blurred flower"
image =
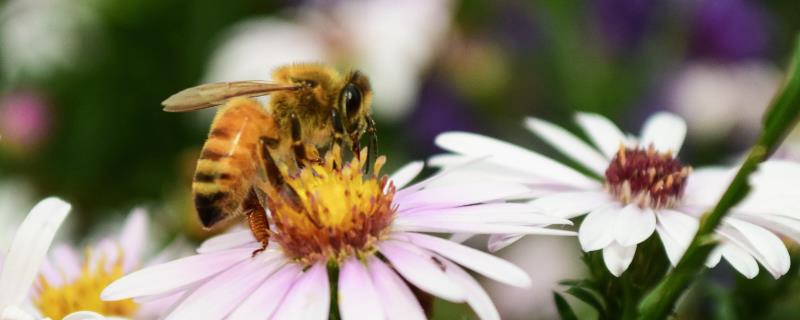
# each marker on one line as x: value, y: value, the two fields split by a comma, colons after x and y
x: 439, y: 109
x: 623, y: 22
x: 729, y: 30
x: 24, y: 119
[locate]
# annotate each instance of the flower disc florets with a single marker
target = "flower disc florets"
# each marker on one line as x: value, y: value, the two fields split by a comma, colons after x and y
x: 328, y: 212
x: 646, y: 177
x: 83, y: 292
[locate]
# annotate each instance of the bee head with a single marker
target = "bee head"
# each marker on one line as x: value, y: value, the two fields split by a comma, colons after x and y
x: 354, y: 104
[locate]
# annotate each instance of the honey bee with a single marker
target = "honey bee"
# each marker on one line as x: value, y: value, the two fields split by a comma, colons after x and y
x: 311, y: 106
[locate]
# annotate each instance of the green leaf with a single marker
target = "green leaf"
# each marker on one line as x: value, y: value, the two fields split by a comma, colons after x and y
x: 564, y: 310
x: 590, y: 299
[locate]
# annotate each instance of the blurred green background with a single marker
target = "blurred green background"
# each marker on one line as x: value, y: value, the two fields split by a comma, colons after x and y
x: 81, y: 83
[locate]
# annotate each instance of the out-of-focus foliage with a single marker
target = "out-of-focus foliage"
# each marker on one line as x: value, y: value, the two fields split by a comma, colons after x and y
x: 81, y: 82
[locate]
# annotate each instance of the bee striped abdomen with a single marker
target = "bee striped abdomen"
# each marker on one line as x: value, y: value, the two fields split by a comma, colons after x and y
x: 227, y: 165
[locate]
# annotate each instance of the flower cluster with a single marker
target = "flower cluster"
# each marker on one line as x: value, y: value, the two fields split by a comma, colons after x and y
x: 346, y: 243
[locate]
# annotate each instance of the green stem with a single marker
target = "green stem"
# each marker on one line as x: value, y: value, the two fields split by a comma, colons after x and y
x: 778, y: 122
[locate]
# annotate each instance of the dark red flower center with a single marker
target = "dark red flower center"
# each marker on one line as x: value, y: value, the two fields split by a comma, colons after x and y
x: 646, y: 177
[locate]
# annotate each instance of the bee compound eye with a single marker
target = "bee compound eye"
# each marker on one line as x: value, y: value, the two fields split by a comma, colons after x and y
x: 351, y: 97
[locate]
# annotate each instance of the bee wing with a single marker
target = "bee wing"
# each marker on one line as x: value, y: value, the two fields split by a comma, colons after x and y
x: 213, y: 94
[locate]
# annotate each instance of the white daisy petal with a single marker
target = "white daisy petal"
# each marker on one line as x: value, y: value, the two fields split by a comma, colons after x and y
x: 676, y: 230
x: 134, y: 237
x: 634, y: 225
x: 175, y: 274
x: 477, y: 298
x: 29, y: 249
x: 603, y: 133
x: 765, y: 246
x: 406, y: 174
x: 572, y: 204
x: 520, y: 213
x: 569, y: 145
x: 665, y: 131
x: 512, y: 156
x: 480, y: 262
x: 419, y: 268
x: 396, y: 298
x: 740, y: 260
x: 227, y: 241
x: 597, y: 229
x: 309, y: 298
x: 223, y: 293
x: 358, y: 297
x: 617, y: 258
x: 715, y: 256
x: 262, y: 302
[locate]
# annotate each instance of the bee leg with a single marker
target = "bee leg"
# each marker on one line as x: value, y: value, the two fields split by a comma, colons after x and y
x: 372, y: 146
x: 302, y: 152
x: 257, y: 219
x: 277, y: 184
x: 338, y: 129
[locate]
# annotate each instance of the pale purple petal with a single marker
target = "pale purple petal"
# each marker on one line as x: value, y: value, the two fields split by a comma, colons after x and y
x: 634, y: 225
x: 499, y: 241
x: 572, y: 204
x: 569, y: 145
x: 84, y: 315
x: 134, y: 238
x: 477, y: 298
x: 29, y: 249
x: 69, y: 261
x: 226, y: 241
x: 221, y: 294
x: 458, y: 195
x: 480, y: 262
x: 309, y: 298
x: 420, y: 268
x: 398, y: 302
x: 263, y: 302
x: 156, y: 307
x: 174, y: 275
x: 436, y: 225
x: 597, y: 229
x: 406, y: 174
x: 358, y: 297
x: 617, y: 258
x: 665, y: 131
x: 515, y: 213
x: 603, y: 133
x: 512, y: 156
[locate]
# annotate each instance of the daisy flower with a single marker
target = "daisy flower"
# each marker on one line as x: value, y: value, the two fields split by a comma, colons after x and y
x: 26, y: 254
x: 71, y: 282
x: 338, y: 230
x: 633, y: 187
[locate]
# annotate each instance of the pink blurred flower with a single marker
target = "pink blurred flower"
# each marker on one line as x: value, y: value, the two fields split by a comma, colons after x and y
x: 24, y: 119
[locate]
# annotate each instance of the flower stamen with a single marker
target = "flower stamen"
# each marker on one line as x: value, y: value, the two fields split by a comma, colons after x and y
x: 646, y: 177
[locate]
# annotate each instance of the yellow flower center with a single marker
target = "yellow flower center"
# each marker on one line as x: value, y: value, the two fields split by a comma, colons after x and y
x: 328, y: 212
x: 83, y: 293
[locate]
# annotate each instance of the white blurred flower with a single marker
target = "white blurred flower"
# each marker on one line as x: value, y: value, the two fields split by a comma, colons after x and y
x: 537, y: 301
x: 39, y: 35
x: 718, y: 100
x: 391, y: 41
x: 21, y: 263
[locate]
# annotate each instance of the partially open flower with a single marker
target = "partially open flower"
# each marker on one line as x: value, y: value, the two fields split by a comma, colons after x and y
x: 69, y: 283
x: 636, y: 187
x: 336, y: 228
